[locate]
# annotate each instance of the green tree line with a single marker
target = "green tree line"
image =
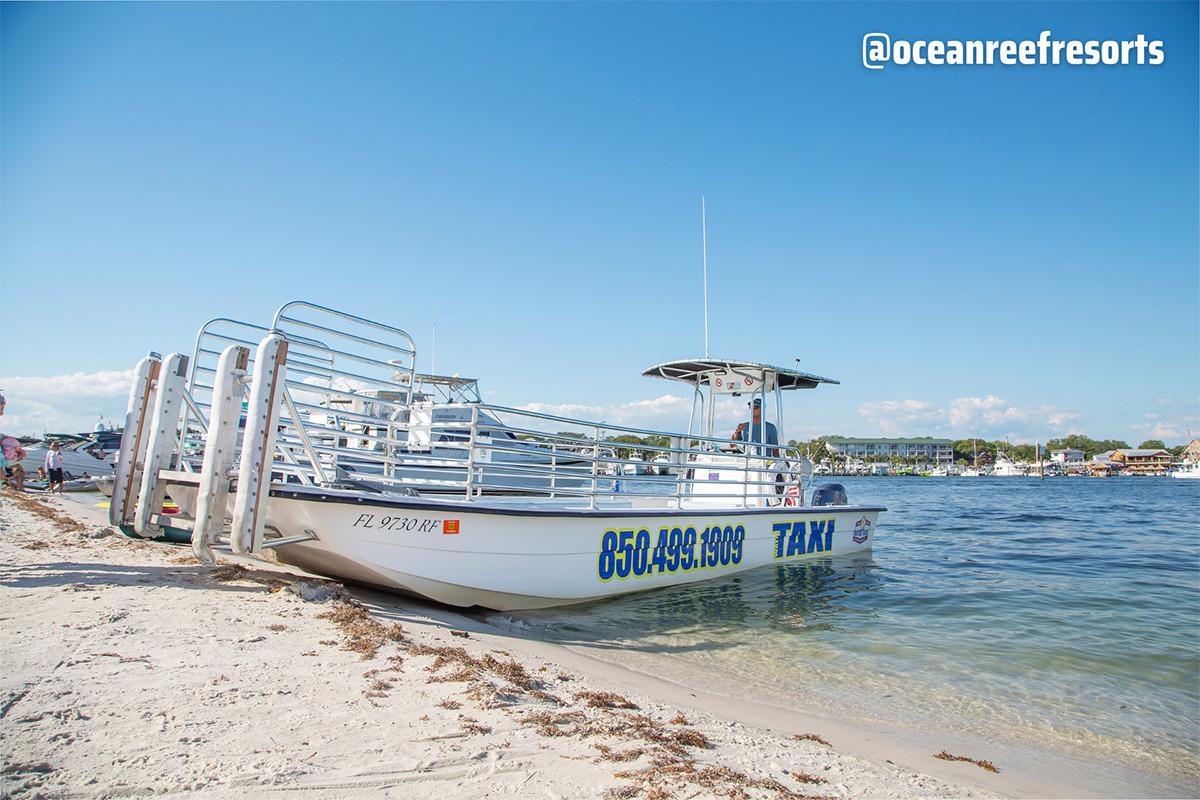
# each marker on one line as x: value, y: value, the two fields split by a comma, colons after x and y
x: 630, y: 446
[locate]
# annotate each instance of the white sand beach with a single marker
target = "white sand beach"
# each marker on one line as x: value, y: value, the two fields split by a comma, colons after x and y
x: 131, y: 670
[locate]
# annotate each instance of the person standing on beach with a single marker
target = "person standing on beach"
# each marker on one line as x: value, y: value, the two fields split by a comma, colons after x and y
x: 11, y: 454
x: 54, y: 467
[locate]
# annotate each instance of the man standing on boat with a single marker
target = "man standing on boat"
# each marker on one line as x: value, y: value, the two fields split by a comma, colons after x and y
x: 759, y: 431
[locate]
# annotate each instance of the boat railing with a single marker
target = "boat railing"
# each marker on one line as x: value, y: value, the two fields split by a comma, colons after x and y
x: 331, y: 354
x: 493, y: 449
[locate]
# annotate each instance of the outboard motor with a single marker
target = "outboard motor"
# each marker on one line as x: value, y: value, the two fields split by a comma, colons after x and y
x: 829, y: 494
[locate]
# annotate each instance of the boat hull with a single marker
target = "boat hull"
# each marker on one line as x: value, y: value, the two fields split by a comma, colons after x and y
x: 507, y: 558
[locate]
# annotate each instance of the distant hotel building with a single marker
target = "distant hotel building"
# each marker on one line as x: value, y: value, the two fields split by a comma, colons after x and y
x: 934, y: 451
x: 1067, y: 456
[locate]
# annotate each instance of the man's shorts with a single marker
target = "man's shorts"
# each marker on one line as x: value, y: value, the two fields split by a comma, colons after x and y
x: 56, y: 476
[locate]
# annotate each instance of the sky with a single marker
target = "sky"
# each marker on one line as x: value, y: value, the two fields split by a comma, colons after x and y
x: 972, y: 251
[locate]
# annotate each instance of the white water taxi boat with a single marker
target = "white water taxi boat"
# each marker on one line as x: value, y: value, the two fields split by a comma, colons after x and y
x: 266, y: 477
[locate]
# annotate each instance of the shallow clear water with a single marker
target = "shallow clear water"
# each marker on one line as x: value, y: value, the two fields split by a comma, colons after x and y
x: 1063, y: 614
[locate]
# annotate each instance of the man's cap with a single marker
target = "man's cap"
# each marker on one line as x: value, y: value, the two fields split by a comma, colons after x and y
x: 757, y: 402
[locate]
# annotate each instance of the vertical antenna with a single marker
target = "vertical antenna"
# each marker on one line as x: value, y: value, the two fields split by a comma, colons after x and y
x: 704, y: 240
x: 433, y: 349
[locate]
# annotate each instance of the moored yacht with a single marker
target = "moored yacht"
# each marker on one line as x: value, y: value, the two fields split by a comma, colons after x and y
x: 1005, y: 467
x: 1187, y: 471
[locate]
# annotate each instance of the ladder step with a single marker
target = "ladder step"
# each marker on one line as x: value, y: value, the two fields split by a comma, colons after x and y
x: 174, y: 521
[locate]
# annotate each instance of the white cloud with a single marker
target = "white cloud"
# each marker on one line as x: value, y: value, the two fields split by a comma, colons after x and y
x: 896, y: 417
x: 638, y: 411
x: 988, y: 416
x: 1173, y: 427
x: 1164, y: 431
x: 967, y: 411
x: 63, y: 403
x: 107, y: 383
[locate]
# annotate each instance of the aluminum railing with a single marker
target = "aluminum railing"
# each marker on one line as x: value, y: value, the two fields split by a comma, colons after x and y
x: 503, y: 450
x: 347, y: 416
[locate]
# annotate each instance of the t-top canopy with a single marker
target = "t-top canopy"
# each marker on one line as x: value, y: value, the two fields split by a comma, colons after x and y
x: 435, y: 380
x: 715, y: 371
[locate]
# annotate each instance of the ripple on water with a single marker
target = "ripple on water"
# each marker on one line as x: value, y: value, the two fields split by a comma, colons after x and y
x: 1061, y: 612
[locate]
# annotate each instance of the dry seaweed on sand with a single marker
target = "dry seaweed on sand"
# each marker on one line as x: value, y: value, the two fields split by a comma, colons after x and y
x: 629, y: 754
x: 509, y: 670
x: 982, y: 764
x: 605, y: 700
x: 550, y: 723
x: 227, y: 573
x: 629, y: 790
x: 811, y: 737
x: 488, y: 696
x: 460, y: 675
x: 64, y: 520
x: 546, y: 697
x: 799, y: 776
x: 615, y: 724
x: 364, y: 634
x: 689, y: 737
x: 684, y: 773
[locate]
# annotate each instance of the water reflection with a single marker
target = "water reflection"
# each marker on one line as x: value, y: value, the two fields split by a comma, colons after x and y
x: 813, y: 595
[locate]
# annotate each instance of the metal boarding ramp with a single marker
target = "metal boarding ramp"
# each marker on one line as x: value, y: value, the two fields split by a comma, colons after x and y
x: 324, y: 398
x: 231, y: 418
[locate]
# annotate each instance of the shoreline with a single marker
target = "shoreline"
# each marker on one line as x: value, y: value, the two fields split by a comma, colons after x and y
x: 468, y: 706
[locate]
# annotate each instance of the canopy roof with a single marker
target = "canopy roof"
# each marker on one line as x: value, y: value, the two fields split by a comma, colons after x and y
x: 444, y: 380
x: 438, y: 380
x: 701, y: 370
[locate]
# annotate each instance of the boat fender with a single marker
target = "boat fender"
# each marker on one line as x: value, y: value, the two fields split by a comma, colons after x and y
x: 780, y: 487
x: 780, y: 482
